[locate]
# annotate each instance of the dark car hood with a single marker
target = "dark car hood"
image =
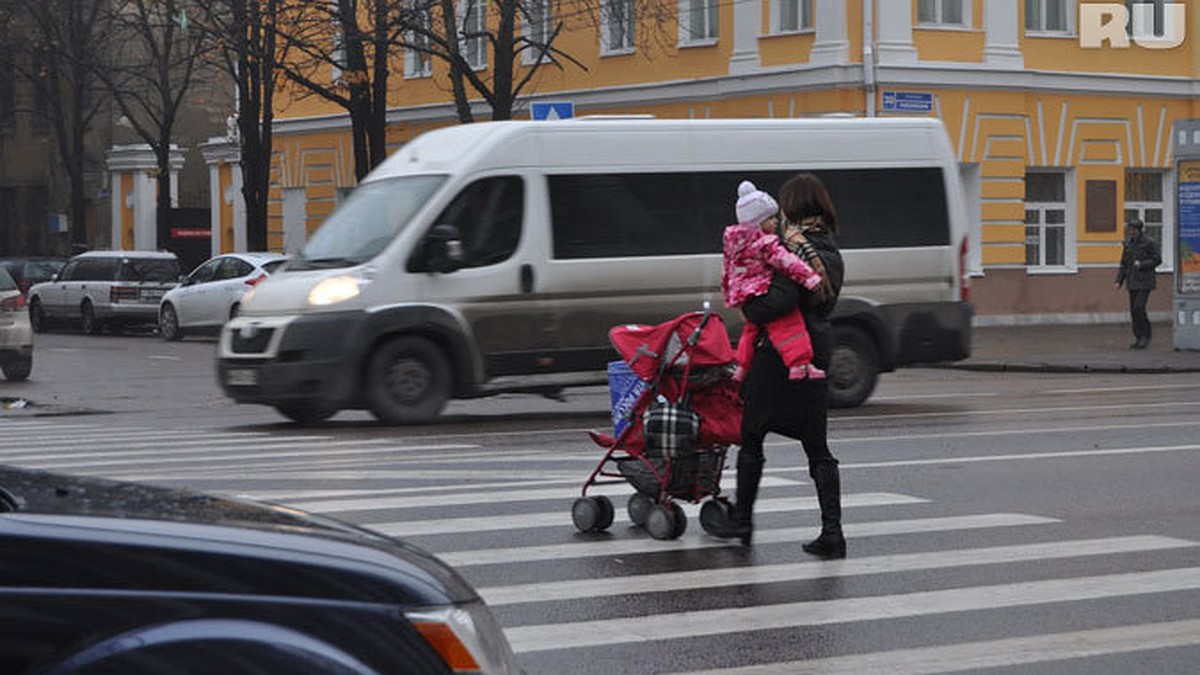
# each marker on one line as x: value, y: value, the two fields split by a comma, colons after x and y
x: 92, y: 533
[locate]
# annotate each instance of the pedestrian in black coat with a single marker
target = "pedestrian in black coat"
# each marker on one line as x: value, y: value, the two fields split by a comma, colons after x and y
x: 795, y: 408
x: 1138, y: 260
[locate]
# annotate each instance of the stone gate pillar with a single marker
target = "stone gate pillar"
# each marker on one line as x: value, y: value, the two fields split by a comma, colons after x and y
x: 224, y: 158
x: 134, y: 195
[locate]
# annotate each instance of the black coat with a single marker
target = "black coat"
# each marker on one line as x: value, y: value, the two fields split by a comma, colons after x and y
x: 772, y: 402
x: 1138, y: 260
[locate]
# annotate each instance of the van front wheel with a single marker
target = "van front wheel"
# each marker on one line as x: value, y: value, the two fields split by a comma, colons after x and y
x: 408, y: 381
x: 853, y: 367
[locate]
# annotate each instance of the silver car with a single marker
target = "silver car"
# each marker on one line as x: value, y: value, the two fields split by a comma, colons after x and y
x: 16, y: 335
x: 105, y: 289
x: 212, y: 293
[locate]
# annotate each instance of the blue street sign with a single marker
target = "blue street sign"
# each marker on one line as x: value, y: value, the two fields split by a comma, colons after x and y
x: 552, y: 110
x: 908, y: 101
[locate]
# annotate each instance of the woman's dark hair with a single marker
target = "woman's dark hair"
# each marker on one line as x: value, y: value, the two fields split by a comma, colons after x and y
x: 804, y: 196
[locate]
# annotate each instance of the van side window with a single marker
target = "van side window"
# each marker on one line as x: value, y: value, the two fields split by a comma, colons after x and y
x: 488, y: 214
x: 69, y: 271
x: 618, y: 215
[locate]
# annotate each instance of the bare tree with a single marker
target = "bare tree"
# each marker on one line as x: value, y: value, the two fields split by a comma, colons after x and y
x: 519, y: 43
x: 148, y: 73
x: 243, y: 36
x: 56, y: 46
x: 338, y: 51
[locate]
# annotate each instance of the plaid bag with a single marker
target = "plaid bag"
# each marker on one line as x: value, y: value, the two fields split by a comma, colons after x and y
x: 670, y: 428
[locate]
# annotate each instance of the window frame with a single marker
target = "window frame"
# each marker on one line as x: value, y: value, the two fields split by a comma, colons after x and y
x: 709, y: 13
x: 939, y: 20
x: 1165, y: 234
x: 474, y: 21
x: 418, y: 64
x: 611, y: 10
x: 1068, y: 228
x: 1069, y: 10
x: 531, y: 26
x: 805, y: 18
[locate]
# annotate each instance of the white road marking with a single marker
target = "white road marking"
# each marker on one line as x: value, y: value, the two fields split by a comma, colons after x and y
x: 619, y: 547
x: 658, y: 627
x: 549, y: 591
x: 413, y: 528
x: 989, y: 654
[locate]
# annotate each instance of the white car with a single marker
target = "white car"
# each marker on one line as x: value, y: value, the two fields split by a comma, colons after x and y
x: 212, y: 293
x: 16, y: 334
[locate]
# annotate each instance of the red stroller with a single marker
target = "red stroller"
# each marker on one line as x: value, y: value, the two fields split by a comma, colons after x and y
x: 670, y: 444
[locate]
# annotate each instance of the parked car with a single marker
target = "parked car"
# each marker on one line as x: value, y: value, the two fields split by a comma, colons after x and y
x: 33, y: 270
x: 212, y: 293
x: 100, y: 289
x: 106, y: 577
x: 16, y: 335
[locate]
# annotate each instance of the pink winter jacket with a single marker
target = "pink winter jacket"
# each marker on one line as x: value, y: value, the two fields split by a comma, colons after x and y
x: 751, y: 256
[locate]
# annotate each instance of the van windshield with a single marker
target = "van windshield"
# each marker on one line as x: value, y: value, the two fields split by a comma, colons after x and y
x: 364, y: 224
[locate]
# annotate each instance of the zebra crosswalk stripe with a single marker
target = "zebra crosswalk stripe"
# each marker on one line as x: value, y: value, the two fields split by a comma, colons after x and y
x: 988, y: 654
x: 534, y: 638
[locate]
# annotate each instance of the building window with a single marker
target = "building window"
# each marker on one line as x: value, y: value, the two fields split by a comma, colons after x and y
x: 942, y: 13
x: 417, y: 61
x: 790, y: 16
x: 1046, y: 219
x: 617, y: 33
x: 1048, y: 16
x: 698, y: 21
x: 474, y: 33
x: 1144, y: 201
x: 536, y: 30
x: 1134, y: 6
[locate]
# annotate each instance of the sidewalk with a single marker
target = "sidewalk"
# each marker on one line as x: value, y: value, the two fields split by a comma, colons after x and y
x: 1100, y: 348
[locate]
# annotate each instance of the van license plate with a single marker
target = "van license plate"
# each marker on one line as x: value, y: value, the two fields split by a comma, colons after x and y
x: 241, y: 377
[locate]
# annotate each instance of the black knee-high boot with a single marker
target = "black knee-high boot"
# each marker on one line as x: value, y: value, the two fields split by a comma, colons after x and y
x: 740, y: 524
x: 831, y: 543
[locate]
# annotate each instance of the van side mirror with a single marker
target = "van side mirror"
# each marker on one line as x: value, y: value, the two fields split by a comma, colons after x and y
x: 444, y: 250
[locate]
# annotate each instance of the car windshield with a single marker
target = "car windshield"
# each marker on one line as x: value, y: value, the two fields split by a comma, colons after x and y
x: 41, y: 270
x: 149, y: 269
x: 369, y: 219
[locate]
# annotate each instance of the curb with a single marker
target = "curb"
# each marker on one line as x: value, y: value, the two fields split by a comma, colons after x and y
x: 1060, y: 368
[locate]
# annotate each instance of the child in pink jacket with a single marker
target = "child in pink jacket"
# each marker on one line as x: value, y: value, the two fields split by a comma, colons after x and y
x: 753, y: 253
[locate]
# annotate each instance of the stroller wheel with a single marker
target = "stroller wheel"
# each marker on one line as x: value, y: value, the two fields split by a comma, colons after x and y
x: 587, y: 514
x: 680, y: 520
x: 607, y: 512
x: 714, y: 514
x: 639, y: 507
x: 660, y: 522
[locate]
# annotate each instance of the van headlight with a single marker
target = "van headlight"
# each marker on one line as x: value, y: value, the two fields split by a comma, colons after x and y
x: 334, y: 290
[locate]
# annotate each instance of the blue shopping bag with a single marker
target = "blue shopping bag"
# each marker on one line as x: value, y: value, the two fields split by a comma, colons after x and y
x: 624, y: 387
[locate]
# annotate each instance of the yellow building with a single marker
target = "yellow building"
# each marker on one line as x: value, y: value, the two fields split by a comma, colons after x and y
x: 1060, y: 139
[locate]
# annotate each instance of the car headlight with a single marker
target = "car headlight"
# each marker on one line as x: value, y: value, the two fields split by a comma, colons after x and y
x: 334, y: 290
x: 467, y: 637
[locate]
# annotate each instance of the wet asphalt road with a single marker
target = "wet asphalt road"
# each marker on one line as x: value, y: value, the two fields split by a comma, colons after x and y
x: 1007, y: 522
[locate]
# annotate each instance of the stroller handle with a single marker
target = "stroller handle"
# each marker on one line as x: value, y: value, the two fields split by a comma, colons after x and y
x: 695, y: 336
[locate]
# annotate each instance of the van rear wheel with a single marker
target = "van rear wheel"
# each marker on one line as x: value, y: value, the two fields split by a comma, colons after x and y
x: 853, y: 367
x: 87, y: 318
x: 408, y: 381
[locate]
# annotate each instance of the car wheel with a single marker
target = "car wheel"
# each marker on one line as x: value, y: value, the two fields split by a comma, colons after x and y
x: 408, y: 381
x: 305, y: 413
x: 88, y: 319
x: 37, y: 316
x: 168, y: 323
x: 18, y: 369
x: 853, y: 367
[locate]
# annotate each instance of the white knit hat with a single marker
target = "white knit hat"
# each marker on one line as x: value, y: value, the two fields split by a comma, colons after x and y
x: 754, y: 205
